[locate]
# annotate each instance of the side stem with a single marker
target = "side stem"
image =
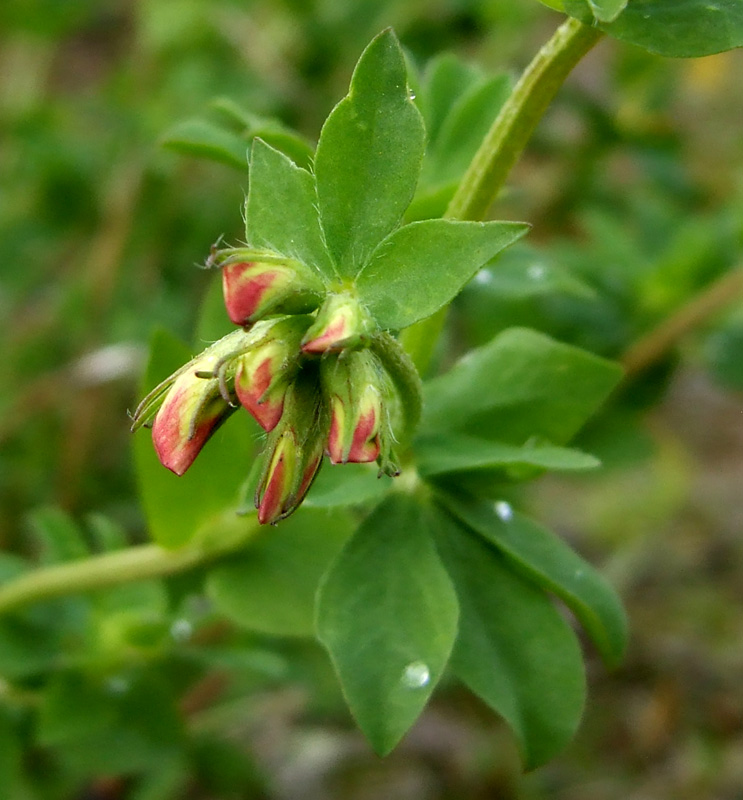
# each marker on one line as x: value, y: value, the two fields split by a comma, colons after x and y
x: 110, y: 569
x: 651, y: 347
x: 514, y: 125
x: 501, y: 148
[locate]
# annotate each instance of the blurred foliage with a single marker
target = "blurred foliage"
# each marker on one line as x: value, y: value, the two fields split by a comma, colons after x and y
x: 633, y: 185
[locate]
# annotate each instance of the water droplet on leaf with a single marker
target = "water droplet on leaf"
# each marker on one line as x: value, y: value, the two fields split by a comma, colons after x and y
x: 181, y: 630
x: 536, y: 272
x: 503, y: 511
x: 117, y: 685
x: 416, y: 675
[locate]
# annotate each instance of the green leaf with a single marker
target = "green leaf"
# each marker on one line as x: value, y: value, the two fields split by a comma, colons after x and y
x: 59, y: 536
x: 466, y: 125
x: 142, y: 731
x: 213, y: 322
x: 422, y: 266
x: 269, y: 129
x: 106, y: 534
x: 519, y: 385
x: 73, y: 706
x: 677, y: 28
x: 271, y: 588
x: 547, y: 560
x: 10, y: 759
x: 607, y: 10
x: 514, y: 649
x: 30, y: 644
x: 387, y: 613
x: 347, y: 485
x: 177, y: 509
x: 204, y: 139
x: 445, y: 80
x: 369, y: 156
x: 446, y: 453
x: 523, y: 273
x: 281, y: 210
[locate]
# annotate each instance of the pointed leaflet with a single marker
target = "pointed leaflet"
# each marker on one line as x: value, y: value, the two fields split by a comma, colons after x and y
x: 204, y: 139
x: 421, y: 267
x: 369, y: 156
x: 548, y: 561
x: 446, y: 453
x: 514, y: 649
x: 281, y: 210
x: 676, y: 28
x: 387, y: 613
x: 520, y: 384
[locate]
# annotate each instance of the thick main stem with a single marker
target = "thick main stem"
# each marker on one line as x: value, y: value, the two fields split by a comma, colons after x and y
x: 501, y: 148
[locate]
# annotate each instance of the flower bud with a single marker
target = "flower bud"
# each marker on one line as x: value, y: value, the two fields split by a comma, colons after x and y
x: 253, y: 289
x: 266, y: 368
x: 341, y: 322
x: 189, y: 406
x: 186, y: 408
x: 294, y: 452
x: 355, y: 386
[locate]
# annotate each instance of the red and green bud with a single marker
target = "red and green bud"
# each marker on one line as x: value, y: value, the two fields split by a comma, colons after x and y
x: 357, y: 388
x: 294, y: 452
x: 341, y: 322
x: 265, y: 370
x: 257, y: 284
x: 188, y: 407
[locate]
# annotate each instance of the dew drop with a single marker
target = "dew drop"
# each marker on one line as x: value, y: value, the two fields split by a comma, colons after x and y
x: 536, y: 272
x: 411, y: 95
x: 416, y: 675
x: 484, y: 277
x: 503, y: 511
x: 117, y: 685
x: 181, y: 630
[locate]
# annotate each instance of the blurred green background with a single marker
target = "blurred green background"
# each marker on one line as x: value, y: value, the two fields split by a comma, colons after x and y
x: 634, y: 185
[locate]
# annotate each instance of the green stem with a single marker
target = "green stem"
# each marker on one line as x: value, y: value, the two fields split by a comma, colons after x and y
x: 110, y: 569
x: 501, y: 148
x: 655, y: 344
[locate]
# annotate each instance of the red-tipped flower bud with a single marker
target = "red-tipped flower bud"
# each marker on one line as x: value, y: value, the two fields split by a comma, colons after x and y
x: 356, y: 387
x: 294, y: 451
x: 341, y: 322
x: 266, y: 368
x: 254, y: 288
x: 186, y: 409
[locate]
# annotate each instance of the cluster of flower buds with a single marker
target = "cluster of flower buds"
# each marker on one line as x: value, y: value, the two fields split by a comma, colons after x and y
x: 303, y: 363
